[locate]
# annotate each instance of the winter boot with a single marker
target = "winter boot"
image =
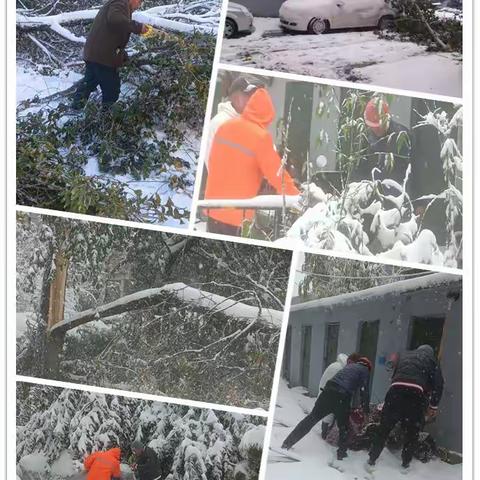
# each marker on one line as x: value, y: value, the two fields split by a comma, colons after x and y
x: 370, y: 465
x: 325, y: 430
x: 286, y: 446
x: 341, y: 454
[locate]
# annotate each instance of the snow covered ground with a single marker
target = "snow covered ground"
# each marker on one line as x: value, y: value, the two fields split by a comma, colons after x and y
x: 31, y: 84
x: 315, y: 454
x: 358, y: 56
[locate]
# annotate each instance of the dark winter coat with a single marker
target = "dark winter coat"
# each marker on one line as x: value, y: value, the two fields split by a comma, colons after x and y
x: 377, y: 149
x: 420, y: 367
x: 110, y: 33
x: 148, y: 466
x: 352, y: 378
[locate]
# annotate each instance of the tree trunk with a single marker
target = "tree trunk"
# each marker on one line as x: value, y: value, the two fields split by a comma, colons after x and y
x: 56, y: 309
x: 56, y: 304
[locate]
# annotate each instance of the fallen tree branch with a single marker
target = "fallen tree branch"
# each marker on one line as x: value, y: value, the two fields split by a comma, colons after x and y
x: 152, y: 296
x: 177, y: 20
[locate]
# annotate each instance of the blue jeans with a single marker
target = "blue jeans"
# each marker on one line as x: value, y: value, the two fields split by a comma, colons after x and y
x: 95, y: 75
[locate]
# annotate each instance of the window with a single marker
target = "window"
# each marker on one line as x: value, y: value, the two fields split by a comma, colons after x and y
x: 368, y: 341
x: 426, y: 331
x: 330, y: 350
x: 306, y: 351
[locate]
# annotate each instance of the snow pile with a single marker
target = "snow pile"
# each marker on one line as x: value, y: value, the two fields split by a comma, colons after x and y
x: 63, y: 465
x: 338, y: 223
x: 253, y: 438
x: 315, y: 454
x: 358, y: 56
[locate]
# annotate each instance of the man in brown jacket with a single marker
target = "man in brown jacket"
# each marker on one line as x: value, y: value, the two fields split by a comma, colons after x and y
x: 104, y: 51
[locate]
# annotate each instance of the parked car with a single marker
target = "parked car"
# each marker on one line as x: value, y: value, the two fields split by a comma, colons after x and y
x: 239, y: 20
x: 320, y: 16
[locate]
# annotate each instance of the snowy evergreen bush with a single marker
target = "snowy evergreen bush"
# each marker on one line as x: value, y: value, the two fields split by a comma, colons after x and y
x: 421, y: 22
x: 190, y: 442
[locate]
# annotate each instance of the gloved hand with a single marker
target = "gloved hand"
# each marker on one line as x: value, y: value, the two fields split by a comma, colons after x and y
x: 147, y: 30
x: 432, y: 413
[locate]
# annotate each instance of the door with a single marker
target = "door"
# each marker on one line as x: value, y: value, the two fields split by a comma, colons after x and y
x: 368, y: 341
x: 306, y: 352
x: 356, y: 13
x: 345, y: 16
x: 426, y: 331
x: 287, y: 354
x: 330, y: 350
x: 299, y: 106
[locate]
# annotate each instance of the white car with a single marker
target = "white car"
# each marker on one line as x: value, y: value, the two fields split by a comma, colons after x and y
x: 239, y: 20
x: 320, y: 16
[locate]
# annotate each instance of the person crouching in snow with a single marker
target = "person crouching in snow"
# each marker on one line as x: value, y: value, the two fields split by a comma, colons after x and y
x: 415, y: 392
x: 104, y: 52
x: 328, y: 374
x: 146, y: 465
x: 336, y: 398
x: 242, y: 156
x: 103, y: 465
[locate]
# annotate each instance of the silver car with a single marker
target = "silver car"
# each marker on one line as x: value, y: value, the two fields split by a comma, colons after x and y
x: 239, y: 20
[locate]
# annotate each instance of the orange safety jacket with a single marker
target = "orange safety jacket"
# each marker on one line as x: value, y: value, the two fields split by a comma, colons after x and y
x: 103, y: 465
x: 242, y: 155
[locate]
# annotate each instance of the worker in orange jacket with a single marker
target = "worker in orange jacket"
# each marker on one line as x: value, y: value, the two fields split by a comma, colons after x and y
x: 241, y: 157
x: 103, y: 465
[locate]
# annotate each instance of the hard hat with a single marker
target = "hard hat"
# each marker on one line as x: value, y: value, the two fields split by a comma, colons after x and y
x: 375, y: 109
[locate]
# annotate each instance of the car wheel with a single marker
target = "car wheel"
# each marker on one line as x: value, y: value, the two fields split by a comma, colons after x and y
x: 318, y: 26
x: 386, y: 23
x: 231, y: 28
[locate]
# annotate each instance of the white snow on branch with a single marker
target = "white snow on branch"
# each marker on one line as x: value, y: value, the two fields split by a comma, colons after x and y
x: 261, y: 201
x: 171, y: 17
x: 194, y: 296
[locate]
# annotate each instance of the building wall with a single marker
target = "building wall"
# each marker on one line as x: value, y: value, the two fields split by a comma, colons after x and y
x: 262, y: 8
x: 395, y: 313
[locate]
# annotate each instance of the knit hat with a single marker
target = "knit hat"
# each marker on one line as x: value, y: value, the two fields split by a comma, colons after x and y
x: 365, y: 361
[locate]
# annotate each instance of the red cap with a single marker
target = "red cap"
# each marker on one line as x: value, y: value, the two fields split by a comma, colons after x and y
x: 365, y: 361
x: 372, y: 115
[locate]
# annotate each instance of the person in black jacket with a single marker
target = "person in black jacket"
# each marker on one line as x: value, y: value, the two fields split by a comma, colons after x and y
x: 336, y: 398
x: 146, y: 465
x: 416, y: 390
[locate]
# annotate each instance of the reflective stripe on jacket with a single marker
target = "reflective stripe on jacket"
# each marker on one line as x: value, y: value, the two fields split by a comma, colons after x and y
x: 242, y: 155
x: 103, y: 465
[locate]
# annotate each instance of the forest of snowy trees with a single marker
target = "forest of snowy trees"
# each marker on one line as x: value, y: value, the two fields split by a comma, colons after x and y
x: 136, y: 161
x: 57, y: 428
x: 148, y: 311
